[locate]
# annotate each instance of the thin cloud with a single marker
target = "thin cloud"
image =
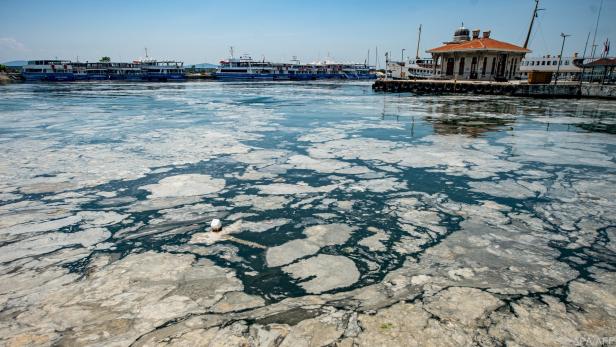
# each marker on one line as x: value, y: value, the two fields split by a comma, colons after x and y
x: 9, y: 43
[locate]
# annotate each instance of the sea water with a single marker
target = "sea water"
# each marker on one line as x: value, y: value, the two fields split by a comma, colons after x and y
x: 321, y: 187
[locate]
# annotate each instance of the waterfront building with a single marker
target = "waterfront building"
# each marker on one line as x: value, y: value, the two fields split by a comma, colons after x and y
x: 601, y: 70
x: 477, y: 58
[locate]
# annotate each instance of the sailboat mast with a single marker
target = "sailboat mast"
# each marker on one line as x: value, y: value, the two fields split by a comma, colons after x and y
x: 418, y: 41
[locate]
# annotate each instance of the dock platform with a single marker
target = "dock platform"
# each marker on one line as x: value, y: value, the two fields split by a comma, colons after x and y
x: 562, y: 90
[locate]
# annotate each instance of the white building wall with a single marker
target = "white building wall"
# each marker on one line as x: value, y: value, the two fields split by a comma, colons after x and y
x: 516, y: 58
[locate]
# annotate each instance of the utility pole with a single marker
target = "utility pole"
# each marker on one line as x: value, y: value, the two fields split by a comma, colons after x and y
x: 560, y: 57
x: 418, y: 41
x: 532, y: 21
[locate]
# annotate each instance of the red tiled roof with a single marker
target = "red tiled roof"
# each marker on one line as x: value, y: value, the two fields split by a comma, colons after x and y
x: 602, y: 62
x: 480, y: 44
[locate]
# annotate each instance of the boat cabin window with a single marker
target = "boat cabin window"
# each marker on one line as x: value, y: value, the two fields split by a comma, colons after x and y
x: 234, y: 70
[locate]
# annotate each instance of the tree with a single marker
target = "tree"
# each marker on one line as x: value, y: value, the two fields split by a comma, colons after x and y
x: 105, y: 60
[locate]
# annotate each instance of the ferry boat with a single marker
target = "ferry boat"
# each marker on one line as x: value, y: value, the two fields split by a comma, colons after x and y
x: 48, y: 70
x: 244, y: 68
x: 345, y: 71
x: 418, y: 68
x: 79, y: 71
x: 570, y: 67
x: 167, y: 70
x: 125, y: 71
x: 97, y: 71
x: 64, y: 70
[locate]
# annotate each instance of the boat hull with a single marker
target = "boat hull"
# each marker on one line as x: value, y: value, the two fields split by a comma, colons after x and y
x: 49, y: 76
x: 159, y: 77
x: 292, y: 77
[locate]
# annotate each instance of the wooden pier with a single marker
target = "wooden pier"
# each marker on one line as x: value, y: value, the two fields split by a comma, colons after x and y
x: 563, y: 90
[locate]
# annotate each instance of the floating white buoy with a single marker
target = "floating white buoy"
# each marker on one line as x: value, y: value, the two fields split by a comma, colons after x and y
x: 216, y: 225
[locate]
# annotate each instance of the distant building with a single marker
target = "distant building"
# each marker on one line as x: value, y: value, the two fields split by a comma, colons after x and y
x: 602, y: 70
x: 477, y: 58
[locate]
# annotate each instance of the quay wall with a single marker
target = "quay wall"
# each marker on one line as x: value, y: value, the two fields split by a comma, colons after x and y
x: 565, y: 90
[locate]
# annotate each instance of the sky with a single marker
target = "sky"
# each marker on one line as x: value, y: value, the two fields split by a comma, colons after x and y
x: 197, y: 31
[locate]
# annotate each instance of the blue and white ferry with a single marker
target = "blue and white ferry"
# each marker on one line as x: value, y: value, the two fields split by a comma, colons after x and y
x: 48, y: 70
x: 245, y: 68
x: 167, y: 70
x: 64, y: 70
x: 125, y: 71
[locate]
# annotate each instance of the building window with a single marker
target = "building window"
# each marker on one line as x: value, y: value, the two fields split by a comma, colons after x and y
x: 566, y: 62
x: 493, y: 66
x: 483, y: 67
x: 543, y: 63
x: 461, y: 69
x: 450, y: 64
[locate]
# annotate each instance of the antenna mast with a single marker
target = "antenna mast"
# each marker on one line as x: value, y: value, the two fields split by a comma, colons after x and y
x: 418, y: 41
x: 594, y: 37
x: 146, y: 52
x: 532, y: 21
x: 376, y: 57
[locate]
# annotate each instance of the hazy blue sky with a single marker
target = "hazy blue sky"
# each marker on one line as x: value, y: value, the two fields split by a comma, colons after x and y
x: 202, y: 31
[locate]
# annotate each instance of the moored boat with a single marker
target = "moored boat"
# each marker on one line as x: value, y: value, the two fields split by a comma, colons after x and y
x: 244, y: 68
x: 48, y: 70
x: 167, y: 70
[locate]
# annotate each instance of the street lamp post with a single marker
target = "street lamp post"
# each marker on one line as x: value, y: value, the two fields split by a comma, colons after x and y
x: 560, y: 57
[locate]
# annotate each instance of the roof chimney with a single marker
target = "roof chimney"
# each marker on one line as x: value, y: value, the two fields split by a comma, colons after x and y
x: 486, y: 34
x: 476, y: 33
